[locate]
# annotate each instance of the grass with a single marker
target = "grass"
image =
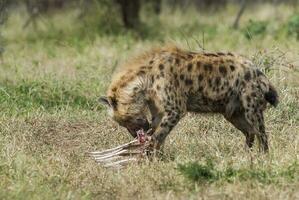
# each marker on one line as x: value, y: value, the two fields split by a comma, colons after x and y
x: 206, y: 173
x: 50, y: 79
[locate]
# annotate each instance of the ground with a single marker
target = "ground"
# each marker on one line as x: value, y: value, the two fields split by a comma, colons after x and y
x: 51, y: 78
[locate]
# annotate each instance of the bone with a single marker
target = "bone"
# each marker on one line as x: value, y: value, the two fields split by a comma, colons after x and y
x: 122, y: 155
x: 121, y: 162
x: 115, y: 148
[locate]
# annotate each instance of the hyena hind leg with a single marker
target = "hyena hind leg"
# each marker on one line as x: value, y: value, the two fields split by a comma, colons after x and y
x: 256, y: 119
x: 239, y: 121
x: 253, y: 103
x: 262, y: 136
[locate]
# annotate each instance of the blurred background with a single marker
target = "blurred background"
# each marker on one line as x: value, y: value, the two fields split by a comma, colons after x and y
x: 154, y: 19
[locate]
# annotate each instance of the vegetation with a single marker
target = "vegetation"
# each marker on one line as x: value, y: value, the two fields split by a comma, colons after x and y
x: 293, y: 25
x: 51, y: 76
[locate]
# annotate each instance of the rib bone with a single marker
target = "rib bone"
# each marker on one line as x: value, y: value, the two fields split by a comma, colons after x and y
x: 122, y: 155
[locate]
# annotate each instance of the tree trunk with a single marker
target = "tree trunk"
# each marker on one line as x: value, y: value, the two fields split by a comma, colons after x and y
x: 130, y: 13
x: 157, y: 6
x: 240, y: 13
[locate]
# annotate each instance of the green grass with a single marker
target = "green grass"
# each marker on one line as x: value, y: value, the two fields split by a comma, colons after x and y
x: 207, y: 173
x: 51, y: 78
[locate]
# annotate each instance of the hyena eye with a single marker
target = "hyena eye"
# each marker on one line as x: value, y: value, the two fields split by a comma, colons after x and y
x: 140, y: 120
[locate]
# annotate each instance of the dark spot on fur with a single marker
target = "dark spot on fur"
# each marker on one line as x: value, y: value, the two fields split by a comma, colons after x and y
x: 248, y: 99
x: 217, y: 81
x: 210, y: 82
x: 151, y: 62
x: 200, y: 77
x: 158, y: 76
x: 262, y: 128
x: 177, y: 61
x: 247, y: 76
x: 253, y: 94
x: 237, y: 82
x: 175, y: 76
x: 198, y: 64
x: 141, y: 73
x: 152, y: 79
x: 220, y: 53
x: 171, y: 69
x: 222, y: 70
x: 123, y: 85
x: 232, y: 68
x: 243, y: 83
x: 162, y: 74
x: 161, y: 67
x: 208, y: 67
x: 168, y: 103
x: 188, y: 82
x: 189, y: 67
x: 182, y: 77
x: 190, y: 56
x: 163, y: 124
x: 200, y: 88
x: 173, y: 121
x: 158, y: 87
x: 230, y: 54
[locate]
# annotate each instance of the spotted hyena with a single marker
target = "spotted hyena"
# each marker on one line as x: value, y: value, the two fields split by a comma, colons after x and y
x: 166, y: 83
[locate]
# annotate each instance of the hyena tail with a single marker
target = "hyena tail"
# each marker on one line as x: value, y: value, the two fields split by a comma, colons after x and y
x: 271, y: 96
x: 270, y: 93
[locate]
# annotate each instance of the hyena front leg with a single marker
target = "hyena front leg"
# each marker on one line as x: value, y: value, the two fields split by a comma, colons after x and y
x: 170, y: 117
x: 254, y: 104
x: 169, y: 120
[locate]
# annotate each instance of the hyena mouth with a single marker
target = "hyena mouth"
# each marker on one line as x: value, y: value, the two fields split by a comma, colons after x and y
x: 139, y: 127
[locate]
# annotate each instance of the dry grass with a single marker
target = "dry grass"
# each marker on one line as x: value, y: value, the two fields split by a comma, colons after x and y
x: 49, y: 118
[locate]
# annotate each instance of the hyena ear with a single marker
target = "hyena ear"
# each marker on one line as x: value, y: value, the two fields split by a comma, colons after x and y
x: 104, y: 101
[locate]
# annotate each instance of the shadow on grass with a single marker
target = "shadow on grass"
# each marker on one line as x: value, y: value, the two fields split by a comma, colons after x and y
x: 207, y: 173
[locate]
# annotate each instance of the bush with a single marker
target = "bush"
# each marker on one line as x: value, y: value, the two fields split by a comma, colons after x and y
x: 293, y: 26
x: 199, y: 172
x: 255, y: 28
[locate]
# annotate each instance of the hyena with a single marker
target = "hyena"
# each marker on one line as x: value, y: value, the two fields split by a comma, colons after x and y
x: 166, y: 83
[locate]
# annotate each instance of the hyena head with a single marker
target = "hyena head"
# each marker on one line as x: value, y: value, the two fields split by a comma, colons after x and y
x: 130, y: 111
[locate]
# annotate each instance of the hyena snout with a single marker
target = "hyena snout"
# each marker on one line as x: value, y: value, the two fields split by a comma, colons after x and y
x: 138, y: 124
